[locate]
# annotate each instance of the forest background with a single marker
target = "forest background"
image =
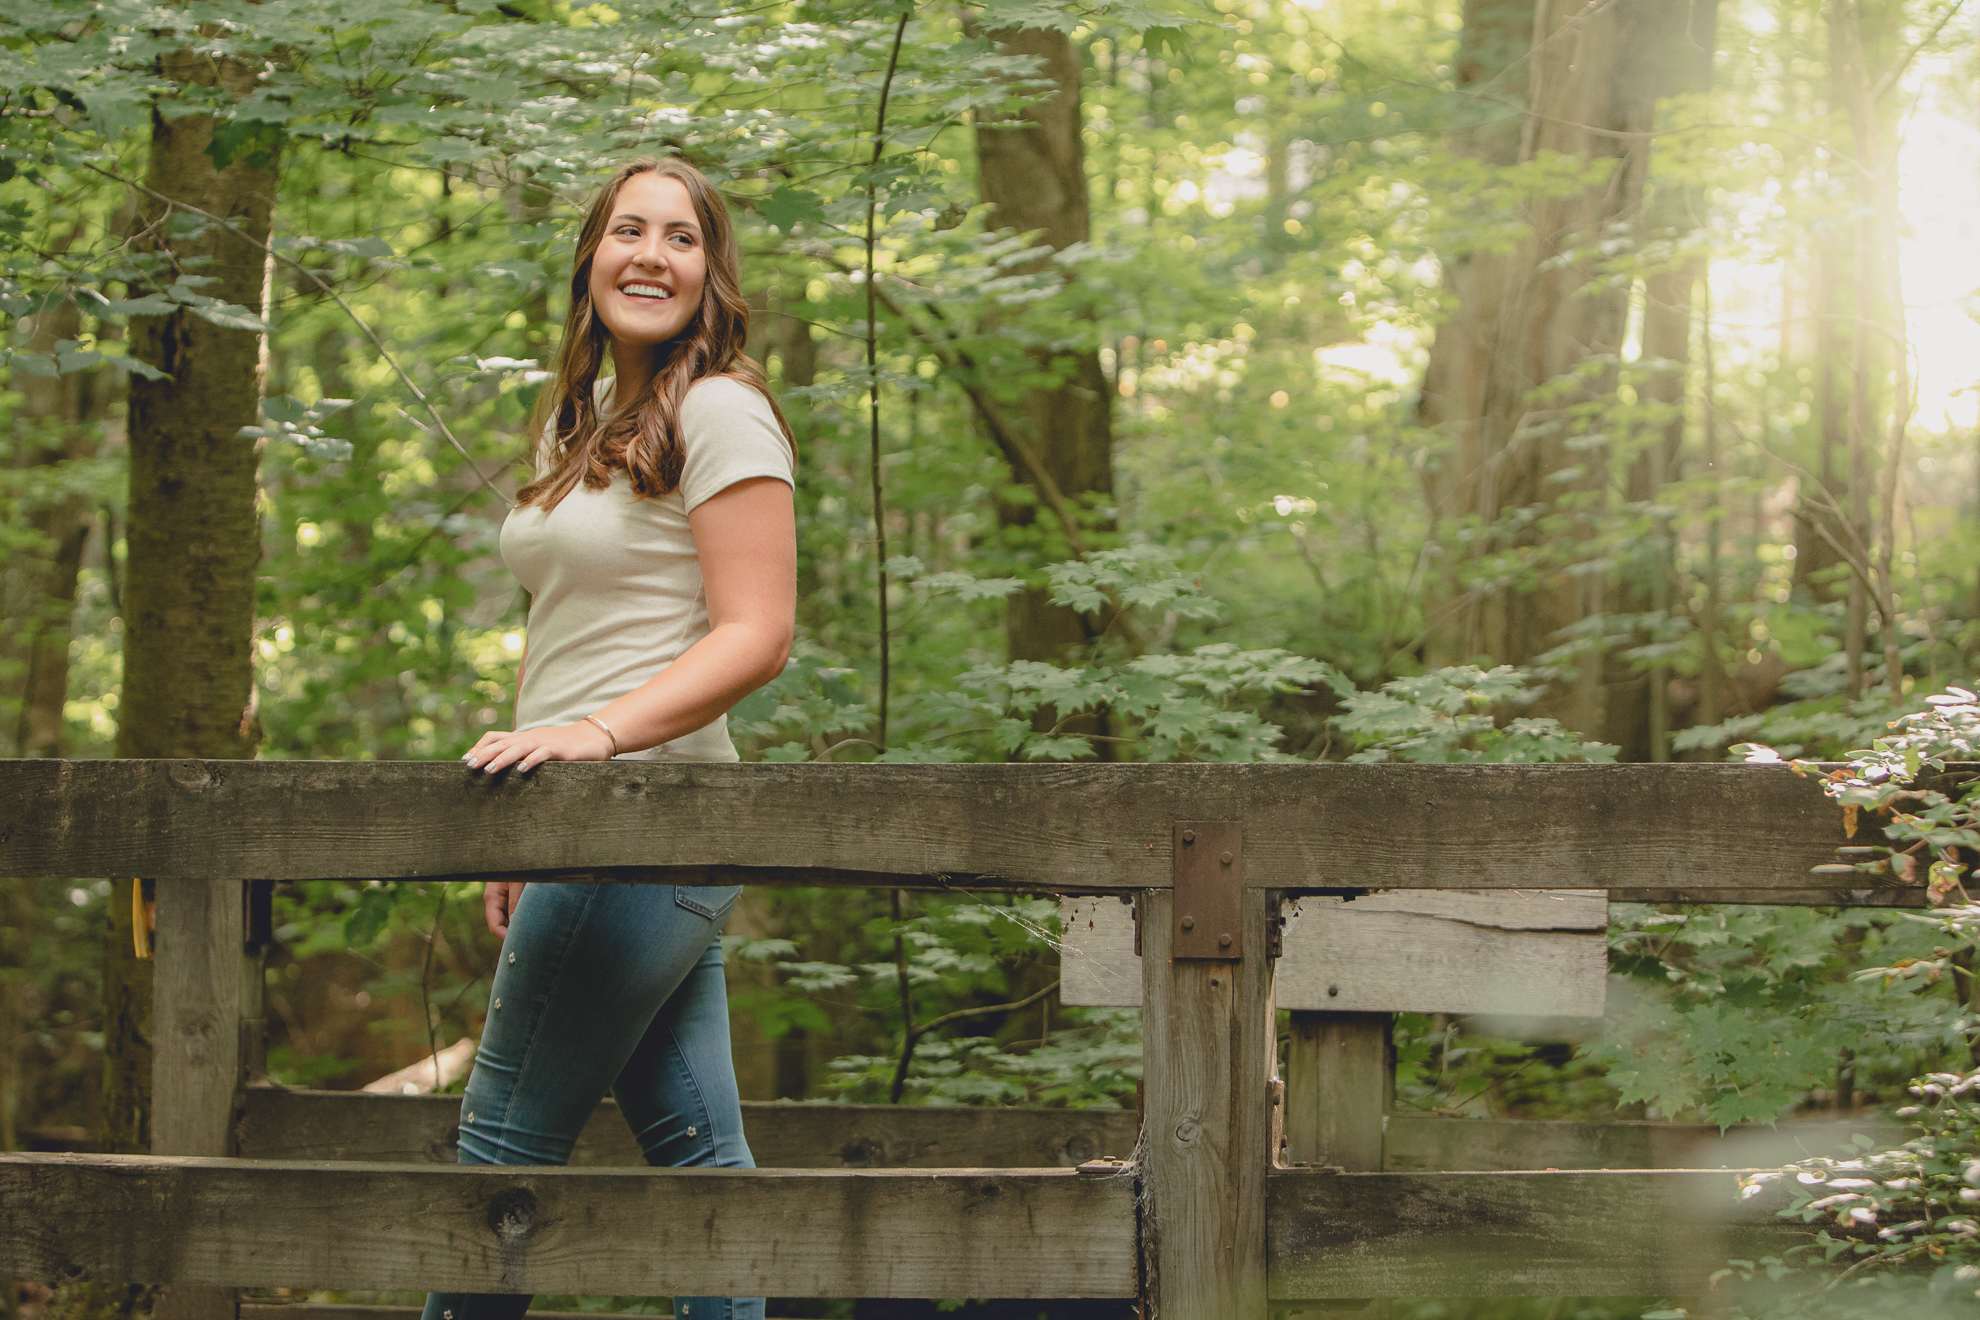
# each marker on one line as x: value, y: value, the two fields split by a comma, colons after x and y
x: 1507, y: 379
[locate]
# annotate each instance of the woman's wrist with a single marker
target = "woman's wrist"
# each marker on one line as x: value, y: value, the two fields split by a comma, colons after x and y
x: 599, y: 726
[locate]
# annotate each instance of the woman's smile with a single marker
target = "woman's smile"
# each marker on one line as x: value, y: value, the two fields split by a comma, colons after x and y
x: 648, y: 271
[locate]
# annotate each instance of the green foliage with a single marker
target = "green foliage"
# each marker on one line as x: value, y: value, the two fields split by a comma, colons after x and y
x: 1446, y: 715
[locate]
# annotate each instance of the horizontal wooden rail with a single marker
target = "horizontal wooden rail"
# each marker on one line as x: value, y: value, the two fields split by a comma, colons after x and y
x: 1419, y: 1143
x: 977, y: 1233
x: 278, y: 1124
x: 1696, y: 831
x: 1612, y: 1234
x: 646, y: 1232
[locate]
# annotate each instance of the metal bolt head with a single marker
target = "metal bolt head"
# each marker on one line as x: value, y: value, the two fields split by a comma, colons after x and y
x: 1189, y: 923
x: 1227, y: 859
x: 1333, y: 992
x: 1223, y: 941
x: 1189, y: 836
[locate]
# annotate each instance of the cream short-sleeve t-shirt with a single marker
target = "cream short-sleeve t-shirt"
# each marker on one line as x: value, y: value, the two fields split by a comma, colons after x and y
x: 615, y: 584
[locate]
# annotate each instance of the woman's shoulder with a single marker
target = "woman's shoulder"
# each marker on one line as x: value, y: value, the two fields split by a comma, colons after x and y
x: 713, y: 395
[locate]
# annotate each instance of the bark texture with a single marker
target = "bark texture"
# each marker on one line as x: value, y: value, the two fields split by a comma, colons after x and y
x: 1521, y: 351
x: 1032, y: 170
x: 194, y: 538
x: 63, y: 418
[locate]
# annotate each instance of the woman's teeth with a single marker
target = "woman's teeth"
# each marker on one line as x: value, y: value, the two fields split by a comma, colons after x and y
x: 646, y: 291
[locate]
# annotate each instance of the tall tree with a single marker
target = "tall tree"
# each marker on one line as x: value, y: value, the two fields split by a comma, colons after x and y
x: 193, y: 537
x: 64, y: 415
x: 1032, y: 170
x: 1512, y: 376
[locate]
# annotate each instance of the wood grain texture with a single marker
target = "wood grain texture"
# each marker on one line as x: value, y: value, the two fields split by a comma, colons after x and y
x: 277, y: 1124
x: 1339, y: 1071
x: 647, y: 1232
x: 1376, y: 955
x: 1513, y: 1234
x: 1209, y: 1045
x: 1524, y: 953
x: 196, y: 1031
x: 1056, y: 828
x: 1423, y: 1143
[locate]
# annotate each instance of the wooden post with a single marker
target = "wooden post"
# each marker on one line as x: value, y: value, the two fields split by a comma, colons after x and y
x: 196, y: 1044
x: 1338, y: 1079
x: 1208, y: 1050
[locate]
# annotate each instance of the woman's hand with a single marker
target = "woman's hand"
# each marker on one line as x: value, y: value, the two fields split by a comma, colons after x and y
x: 498, y: 901
x: 526, y: 749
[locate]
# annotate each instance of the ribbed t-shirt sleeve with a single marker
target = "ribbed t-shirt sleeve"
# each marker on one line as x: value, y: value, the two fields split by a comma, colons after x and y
x: 730, y: 435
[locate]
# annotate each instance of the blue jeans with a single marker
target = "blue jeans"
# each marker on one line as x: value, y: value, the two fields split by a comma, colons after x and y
x: 604, y: 986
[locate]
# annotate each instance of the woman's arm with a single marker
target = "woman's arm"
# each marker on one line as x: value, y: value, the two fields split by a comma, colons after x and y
x: 746, y: 539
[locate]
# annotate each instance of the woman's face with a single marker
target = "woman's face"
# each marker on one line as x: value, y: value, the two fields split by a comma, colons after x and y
x: 647, y: 273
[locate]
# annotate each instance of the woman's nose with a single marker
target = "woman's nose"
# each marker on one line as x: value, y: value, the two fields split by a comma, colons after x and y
x: 652, y: 254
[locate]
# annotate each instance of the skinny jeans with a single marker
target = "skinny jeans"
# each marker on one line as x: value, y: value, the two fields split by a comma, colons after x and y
x: 606, y: 987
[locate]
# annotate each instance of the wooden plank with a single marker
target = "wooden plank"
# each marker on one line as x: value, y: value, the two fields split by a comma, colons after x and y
x: 197, y: 1044
x: 280, y: 1124
x: 1385, y: 958
x: 1054, y: 828
x: 645, y: 1232
x: 196, y: 1033
x: 1360, y: 1235
x: 1339, y: 1072
x: 1209, y: 1046
x: 1426, y: 1143
x: 1530, y: 953
x: 1910, y: 897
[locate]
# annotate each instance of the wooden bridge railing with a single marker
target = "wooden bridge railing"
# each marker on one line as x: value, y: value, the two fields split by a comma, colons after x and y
x: 1203, y: 1221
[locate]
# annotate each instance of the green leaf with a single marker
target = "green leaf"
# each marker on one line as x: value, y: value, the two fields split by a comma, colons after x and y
x: 787, y: 207
x: 368, y: 918
x: 256, y: 143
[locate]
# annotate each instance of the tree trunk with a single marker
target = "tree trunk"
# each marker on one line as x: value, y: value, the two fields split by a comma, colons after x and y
x: 193, y: 534
x: 1495, y: 40
x: 1032, y: 168
x: 38, y: 583
x: 1676, y: 60
x: 1520, y: 468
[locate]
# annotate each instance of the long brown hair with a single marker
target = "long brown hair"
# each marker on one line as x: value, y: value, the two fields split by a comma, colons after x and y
x: 643, y: 435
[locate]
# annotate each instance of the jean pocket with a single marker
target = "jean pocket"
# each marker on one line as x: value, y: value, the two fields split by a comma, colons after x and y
x: 711, y: 901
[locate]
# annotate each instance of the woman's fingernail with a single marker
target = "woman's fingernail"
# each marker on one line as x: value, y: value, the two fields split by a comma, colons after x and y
x: 471, y: 761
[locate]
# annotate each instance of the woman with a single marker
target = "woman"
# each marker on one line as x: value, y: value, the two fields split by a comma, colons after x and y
x: 658, y: 546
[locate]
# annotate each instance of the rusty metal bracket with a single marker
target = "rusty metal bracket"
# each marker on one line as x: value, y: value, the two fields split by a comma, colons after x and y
x: 1209, y: 889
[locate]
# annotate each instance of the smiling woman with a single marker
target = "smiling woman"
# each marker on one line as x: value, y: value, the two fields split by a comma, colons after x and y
x: 658, y: 546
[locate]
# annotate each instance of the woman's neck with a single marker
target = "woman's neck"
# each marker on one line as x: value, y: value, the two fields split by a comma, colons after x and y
x: 633, y: 369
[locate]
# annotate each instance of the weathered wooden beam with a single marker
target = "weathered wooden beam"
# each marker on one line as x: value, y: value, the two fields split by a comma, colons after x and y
x: 1208, y: 1056
x: 1528, y: 952
x: 1339, y: 1071
x: 1699, y: 829
x: 1357, y: 1235
x: 1424, y: 1143
x: 646, y: 1232
x: 196, y: 1045
x: 278, y: 1124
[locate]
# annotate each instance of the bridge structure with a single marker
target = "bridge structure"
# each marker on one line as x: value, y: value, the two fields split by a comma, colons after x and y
x: 1235, y: 1193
